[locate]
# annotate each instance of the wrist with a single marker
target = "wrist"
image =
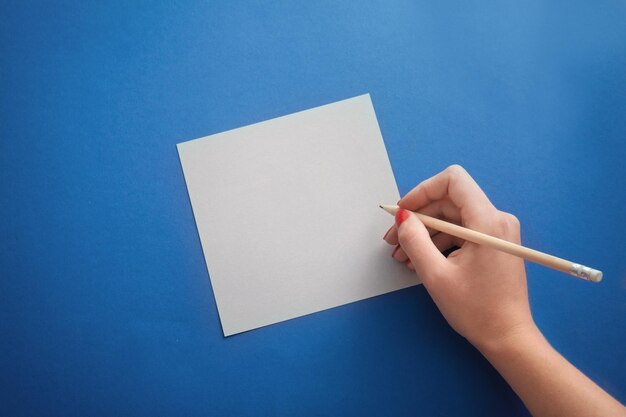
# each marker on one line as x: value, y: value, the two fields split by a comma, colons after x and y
x: 513, y: 342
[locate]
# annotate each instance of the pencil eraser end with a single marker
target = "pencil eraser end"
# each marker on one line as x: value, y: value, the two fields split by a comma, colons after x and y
x: 587, y: 273
x: 596, y: 276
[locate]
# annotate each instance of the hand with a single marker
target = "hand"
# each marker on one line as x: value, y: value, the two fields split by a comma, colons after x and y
x: 481, y: 292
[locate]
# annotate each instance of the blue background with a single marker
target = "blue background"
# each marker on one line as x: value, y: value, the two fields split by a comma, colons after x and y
x: 106, y: 307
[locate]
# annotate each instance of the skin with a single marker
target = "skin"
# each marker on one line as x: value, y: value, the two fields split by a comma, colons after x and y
x: 483, y: 295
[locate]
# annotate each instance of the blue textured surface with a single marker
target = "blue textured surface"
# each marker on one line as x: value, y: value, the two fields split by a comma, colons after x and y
x: 105, y: 303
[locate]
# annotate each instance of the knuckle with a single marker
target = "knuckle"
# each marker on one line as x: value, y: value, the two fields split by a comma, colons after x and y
x: 508, y: 225
x: 509, y: 219
x: 456, y: 173
x: 456, y: 169
x: 513, y: 221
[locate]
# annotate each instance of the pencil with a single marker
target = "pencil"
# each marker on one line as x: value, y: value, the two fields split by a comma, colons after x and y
x: 532, y: 255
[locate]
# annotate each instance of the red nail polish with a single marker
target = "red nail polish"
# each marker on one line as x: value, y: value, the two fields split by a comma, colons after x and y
x: 401, y: 215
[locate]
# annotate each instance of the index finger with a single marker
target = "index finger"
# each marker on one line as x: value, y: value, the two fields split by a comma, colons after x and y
x: 456, y: 184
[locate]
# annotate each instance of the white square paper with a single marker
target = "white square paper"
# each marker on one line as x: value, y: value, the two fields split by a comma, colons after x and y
x: 287, y: 212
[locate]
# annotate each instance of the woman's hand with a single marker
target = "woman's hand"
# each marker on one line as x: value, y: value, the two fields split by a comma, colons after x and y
x: 480, y: 291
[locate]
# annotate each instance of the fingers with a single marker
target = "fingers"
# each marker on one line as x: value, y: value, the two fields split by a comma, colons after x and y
x: 399, y: 255
x: 417, y: 245
x: 443, y: 242
x: 391, y: 236
x: 455, y: 184
x: 441, y: 209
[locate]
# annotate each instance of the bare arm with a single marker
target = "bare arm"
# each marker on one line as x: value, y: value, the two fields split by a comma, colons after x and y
x: 483, y: 295
x: 547, y: 383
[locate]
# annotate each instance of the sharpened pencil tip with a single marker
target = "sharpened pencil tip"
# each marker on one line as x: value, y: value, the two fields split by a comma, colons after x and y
x: 389, y: 209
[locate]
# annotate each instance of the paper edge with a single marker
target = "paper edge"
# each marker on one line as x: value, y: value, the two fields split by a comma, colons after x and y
x: 281, y: 117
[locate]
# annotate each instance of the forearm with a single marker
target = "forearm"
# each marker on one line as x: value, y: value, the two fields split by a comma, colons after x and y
x: 547, y: 383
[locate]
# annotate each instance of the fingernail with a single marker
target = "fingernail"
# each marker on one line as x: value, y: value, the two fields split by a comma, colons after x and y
x: 386, y: 234
x: 401, y: 215
x: 394, y: 251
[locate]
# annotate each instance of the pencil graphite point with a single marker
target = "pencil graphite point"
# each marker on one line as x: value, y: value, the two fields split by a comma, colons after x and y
x: 389, y: 209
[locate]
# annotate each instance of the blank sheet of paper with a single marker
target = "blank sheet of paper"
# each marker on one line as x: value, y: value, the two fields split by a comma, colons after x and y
x: 288, y: 217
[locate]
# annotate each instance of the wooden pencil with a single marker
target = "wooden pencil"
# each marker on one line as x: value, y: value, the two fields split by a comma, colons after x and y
x: 536, y: 256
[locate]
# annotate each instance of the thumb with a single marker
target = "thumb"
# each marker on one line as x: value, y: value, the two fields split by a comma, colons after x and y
x: 416, y: 243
